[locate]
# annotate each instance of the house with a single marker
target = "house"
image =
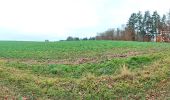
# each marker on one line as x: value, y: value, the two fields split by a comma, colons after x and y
x: 164, y: 36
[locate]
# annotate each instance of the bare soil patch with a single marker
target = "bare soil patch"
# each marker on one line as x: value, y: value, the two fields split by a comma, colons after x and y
x: 71, y: 62
x: 124, y: 55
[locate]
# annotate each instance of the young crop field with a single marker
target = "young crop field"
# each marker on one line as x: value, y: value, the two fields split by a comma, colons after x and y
x: 84, y: 70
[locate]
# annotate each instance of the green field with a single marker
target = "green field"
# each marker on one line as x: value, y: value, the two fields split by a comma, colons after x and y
x: 88, y: 70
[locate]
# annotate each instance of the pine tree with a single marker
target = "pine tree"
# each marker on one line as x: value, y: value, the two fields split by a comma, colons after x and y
x: 147, y: 24
x: 139, y: 26
x: 168, y: 18
x: 132, y: 25
x: 163, y: 23
x: 156, y: 22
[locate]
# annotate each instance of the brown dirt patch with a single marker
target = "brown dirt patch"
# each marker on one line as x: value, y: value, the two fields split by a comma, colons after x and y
x: 78, y: 60
x: 128, y: 54
x: 71, y: 62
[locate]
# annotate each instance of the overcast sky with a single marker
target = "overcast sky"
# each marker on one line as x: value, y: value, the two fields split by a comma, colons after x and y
x: 57, y: 19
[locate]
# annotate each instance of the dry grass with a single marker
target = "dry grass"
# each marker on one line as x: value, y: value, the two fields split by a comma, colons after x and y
x: 125, y: 72
x: 6, y: 93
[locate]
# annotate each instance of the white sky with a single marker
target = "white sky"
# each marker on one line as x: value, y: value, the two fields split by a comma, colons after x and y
x: 57, y: 19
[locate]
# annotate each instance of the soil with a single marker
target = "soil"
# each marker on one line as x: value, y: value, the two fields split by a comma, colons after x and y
x: 71, y: 62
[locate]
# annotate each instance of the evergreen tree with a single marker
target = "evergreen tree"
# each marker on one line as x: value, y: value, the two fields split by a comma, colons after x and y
x: 156, y: 22
x: 132, y: 21
x: 132, y: 24
x: 163, y: 23
x: 168, y: 18
x: 139, y: 26
x: 147, y: 24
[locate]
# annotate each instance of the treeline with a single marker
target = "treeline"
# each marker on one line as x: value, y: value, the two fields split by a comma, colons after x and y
x: 115, y: 34
x: 141, y: 27
x: 70, y: 38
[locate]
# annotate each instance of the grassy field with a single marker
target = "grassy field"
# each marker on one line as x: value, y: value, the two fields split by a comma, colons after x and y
x: 88, y: 70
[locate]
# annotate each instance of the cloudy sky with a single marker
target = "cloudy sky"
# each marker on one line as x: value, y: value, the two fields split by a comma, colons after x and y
x: 57, y: 19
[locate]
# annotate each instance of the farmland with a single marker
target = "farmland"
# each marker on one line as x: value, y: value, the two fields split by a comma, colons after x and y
x: 84, y: 70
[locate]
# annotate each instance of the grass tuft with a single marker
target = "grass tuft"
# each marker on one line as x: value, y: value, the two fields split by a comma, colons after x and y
x: 125, y: 72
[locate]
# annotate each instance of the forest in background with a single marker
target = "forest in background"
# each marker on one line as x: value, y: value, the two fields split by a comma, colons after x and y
x: 139, y: 27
